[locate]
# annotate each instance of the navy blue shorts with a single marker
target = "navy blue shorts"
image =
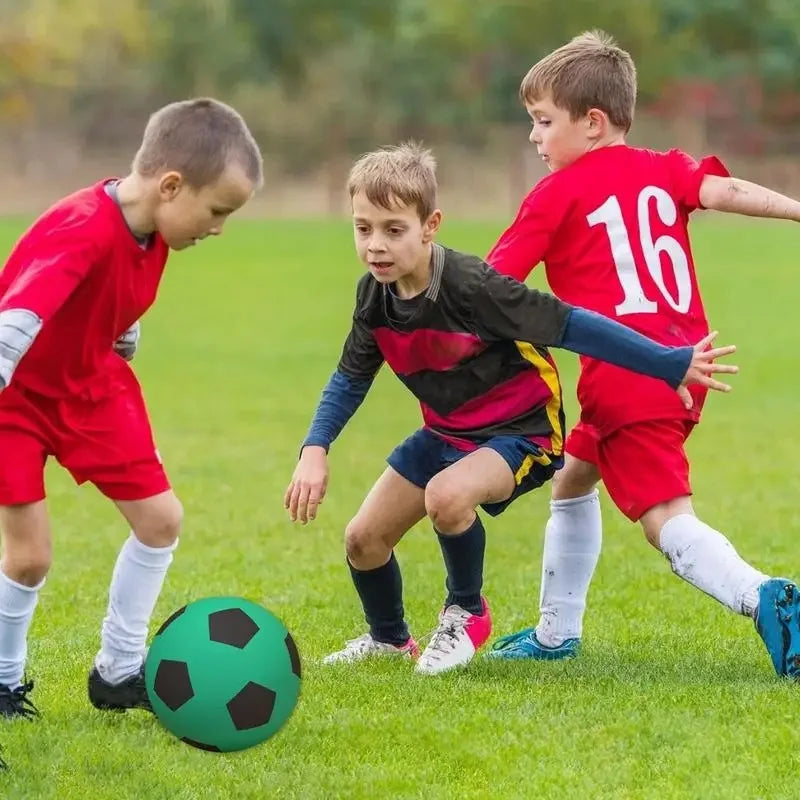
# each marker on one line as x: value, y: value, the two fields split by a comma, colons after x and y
x: 424, y: 454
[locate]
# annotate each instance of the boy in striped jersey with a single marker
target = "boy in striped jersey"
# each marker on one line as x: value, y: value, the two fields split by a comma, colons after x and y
x: 471, y: 346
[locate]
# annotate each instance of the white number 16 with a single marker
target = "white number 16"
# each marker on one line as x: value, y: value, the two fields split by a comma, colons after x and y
x: 635, y: 302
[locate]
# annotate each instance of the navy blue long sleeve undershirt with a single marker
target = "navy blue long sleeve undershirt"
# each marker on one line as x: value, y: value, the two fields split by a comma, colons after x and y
x: 585, y: 333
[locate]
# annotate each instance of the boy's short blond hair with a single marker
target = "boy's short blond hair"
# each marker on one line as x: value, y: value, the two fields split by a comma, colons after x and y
x: 591, y: 71
x: 199, y: 138
x: 405, y: 174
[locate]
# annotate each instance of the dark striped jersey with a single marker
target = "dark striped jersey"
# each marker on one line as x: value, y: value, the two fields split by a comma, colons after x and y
x: 472, y: 349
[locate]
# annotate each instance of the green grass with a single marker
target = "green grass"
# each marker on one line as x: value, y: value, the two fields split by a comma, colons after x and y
x: 672, y: 697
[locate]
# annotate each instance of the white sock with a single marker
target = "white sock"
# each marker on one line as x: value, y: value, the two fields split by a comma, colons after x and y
x: 706, y: 559
x: 17, y: 604
x: 135, y: 585
x: 572, y: 541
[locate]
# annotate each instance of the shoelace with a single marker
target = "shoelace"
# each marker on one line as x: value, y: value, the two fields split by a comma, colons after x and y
x: 444, y: 638
x: 358, y: 645
x: 18, y: 700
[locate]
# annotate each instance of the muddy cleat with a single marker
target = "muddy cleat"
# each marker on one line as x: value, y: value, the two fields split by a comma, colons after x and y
x: 367, y: 647
x: 16, y: 703
x: 130, y: 693
x: 526, y: 645
x: 778, y: 624
x: 455, y: 640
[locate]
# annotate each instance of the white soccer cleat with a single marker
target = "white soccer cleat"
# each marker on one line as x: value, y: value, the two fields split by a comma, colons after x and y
x: 456, y: 639
x: 366, y: 647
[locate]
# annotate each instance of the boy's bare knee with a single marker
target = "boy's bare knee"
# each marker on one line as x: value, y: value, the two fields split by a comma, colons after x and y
x: 576, y: 479
x: 27, y: 564
x: 162, y: 527
x: 27, y: 549
x: 364, y: 547
x: 446, y: 507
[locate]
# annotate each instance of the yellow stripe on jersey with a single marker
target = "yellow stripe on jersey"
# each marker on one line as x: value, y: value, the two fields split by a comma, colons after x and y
x: 554, y: 405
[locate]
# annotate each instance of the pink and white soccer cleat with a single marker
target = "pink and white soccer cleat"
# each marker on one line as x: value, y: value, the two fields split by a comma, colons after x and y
x: 366, y: 647
x: 455, y: 640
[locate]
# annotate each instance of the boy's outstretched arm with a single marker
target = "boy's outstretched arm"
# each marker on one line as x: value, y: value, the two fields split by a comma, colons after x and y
x: 506, y: 309
x: 343, y: 394
x: 743, y: 197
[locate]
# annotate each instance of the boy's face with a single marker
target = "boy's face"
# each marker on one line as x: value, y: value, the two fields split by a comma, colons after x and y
x: 185, y: 215
x: 392, y: 242
x: 559, y: 139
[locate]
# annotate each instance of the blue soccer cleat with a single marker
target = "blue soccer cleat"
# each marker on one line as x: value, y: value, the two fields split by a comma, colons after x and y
x: 778, y: 624
x: 524, y: 644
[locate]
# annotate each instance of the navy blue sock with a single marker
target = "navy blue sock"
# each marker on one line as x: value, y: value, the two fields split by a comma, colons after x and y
x: 463, y: 559
x: 381, y: 593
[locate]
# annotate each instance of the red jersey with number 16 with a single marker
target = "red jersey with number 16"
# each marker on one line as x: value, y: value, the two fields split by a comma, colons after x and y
x: 611, y: 229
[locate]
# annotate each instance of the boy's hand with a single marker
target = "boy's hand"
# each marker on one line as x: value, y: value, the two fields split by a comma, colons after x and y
x: 309, y: 482
x: 702, y: 365
x: 126, y: 344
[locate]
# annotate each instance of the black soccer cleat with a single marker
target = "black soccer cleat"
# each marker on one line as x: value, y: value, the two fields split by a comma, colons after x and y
x: 16, y: 703
x: 131, y: 693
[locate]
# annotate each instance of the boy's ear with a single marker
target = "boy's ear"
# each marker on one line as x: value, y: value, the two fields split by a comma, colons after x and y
x: 431, y: 226
x: 169, y: 184
x: 597, y: 123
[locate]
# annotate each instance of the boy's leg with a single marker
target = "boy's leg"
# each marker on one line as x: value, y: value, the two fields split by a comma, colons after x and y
x: 572, y: 542
x: 26, y: 561
x: 26, y: 546
x: 451, y: 497
x: 487, y: 477
x: 702, y: 556
x: 392, y: 506
x: 139, y: 573
x: 658, y: 495
x: 110, y: 443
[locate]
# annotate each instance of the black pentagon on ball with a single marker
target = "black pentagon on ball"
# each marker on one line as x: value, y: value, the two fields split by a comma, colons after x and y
x: 251, y: 707
x: 231, y: 626
x: 173, y: 684
x: 294, y: 656
x: 169, y: 620
x: 212, y: 748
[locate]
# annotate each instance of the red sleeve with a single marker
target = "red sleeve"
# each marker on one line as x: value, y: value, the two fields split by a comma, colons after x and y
x: 52, y: 267
x: 687, y: 175
x: 525, y: 242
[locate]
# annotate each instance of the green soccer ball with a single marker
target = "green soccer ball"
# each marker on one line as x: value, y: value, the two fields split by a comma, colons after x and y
x: 223, y: 674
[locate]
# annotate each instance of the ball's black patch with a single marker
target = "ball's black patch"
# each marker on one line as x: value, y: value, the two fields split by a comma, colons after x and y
x: 252, y: 707
x: 212, y: 748
x: 231, y: 626
x: 294, y: 655
x: 169, y: 620
x: 172, y: 684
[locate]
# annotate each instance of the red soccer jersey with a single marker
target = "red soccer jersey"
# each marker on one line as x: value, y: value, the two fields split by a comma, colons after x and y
x: 612, y: 231
x: 82, y: 271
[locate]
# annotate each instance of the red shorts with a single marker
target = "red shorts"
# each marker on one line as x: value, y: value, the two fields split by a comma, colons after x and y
x: 107, y: 441
x: 641, y: 465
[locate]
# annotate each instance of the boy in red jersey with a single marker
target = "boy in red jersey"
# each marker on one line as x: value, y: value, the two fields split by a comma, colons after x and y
x: 71, y: 294
x: 610, y: 224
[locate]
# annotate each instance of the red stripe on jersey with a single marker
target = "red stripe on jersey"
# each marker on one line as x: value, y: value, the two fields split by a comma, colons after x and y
x: 523, y: 394
x: 425, y: 349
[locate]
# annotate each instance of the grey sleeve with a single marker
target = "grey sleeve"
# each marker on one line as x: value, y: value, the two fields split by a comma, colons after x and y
x: 18, y: 328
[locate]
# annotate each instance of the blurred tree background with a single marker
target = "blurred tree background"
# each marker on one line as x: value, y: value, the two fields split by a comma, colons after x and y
x: 319, y: 81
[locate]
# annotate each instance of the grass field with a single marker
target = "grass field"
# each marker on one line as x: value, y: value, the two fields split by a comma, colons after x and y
x: 672, y: 696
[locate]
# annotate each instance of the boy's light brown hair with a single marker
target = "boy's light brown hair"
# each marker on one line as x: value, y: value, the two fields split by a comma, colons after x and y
x: 199, y: 138
x: 591, y: 71
x: 403, y: 174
